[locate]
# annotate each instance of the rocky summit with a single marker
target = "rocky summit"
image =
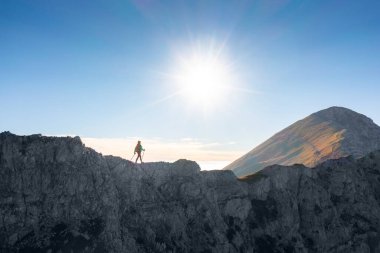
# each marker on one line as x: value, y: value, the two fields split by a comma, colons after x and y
x: 328, y: 134
x: 58, y: 196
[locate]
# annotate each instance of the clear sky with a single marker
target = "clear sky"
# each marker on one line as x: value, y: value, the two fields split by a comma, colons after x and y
x: 110, y: 70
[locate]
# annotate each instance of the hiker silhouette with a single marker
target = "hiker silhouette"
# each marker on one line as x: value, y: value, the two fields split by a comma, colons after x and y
x: 138, y: 149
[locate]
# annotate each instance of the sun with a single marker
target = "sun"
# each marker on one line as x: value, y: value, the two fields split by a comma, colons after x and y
x: 203, y: 78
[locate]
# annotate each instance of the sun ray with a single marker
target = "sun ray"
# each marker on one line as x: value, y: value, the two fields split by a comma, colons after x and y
x: 202, y: 76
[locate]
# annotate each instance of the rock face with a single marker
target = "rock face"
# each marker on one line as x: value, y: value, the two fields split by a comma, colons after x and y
x: 58, y: 196
x: 328, y: 134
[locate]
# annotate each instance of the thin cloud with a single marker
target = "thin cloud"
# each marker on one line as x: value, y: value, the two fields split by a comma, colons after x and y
x: 166, y: 150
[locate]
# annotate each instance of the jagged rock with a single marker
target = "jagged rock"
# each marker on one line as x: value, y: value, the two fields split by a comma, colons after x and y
x: 58, y: 196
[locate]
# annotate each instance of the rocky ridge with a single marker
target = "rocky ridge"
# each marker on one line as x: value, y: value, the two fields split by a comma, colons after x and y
x: 58, y: 196
x: 328, y: 134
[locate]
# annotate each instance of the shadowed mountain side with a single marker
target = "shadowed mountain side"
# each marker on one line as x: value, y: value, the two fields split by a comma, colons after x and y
x: 328, y: 134
x: 58, y: 196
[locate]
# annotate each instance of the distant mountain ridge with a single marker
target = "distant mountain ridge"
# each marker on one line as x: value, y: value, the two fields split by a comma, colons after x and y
x: 328, y: 134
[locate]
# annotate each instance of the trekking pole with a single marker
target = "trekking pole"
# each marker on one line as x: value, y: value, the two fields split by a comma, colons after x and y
x: 143, y: 154
x: 133, y: 156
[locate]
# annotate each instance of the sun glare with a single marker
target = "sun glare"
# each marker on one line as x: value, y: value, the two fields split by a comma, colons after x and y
x: 203, y: 78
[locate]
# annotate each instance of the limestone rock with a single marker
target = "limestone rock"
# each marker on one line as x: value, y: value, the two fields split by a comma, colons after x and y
x: 58, y: 196
x: 328, y: 134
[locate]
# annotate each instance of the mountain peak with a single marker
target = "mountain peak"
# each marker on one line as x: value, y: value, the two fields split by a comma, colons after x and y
x: 327, y: 134
x: 335, y: 111
x: 338, y: 109
x: 341, y: 114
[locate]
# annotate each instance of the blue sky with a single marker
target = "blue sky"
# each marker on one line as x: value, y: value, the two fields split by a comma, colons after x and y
x: 97, y: 68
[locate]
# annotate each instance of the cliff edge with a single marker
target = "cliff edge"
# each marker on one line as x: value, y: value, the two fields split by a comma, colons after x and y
x: 57, y: 195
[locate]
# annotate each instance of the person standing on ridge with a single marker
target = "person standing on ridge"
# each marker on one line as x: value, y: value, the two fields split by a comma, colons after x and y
x: 138, y: 150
